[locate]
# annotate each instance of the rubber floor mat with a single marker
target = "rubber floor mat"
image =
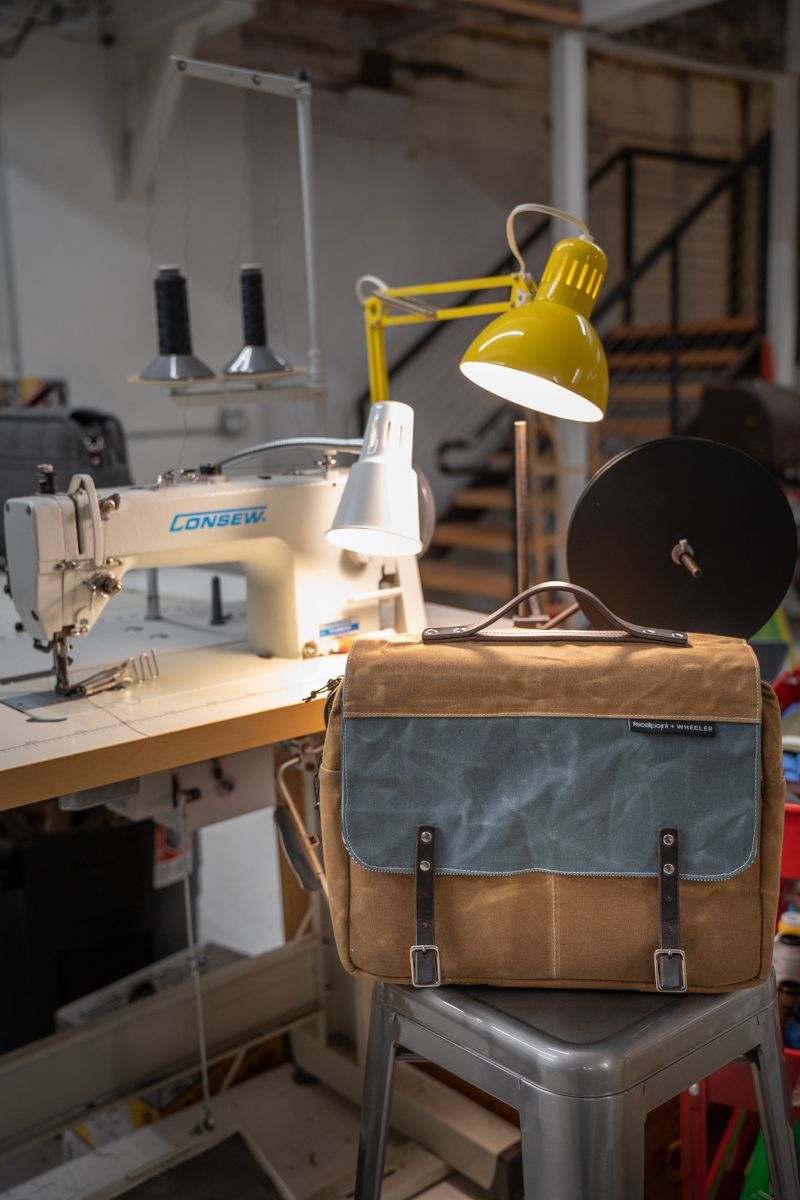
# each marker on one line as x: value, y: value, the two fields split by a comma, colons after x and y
x: 227, y: 1171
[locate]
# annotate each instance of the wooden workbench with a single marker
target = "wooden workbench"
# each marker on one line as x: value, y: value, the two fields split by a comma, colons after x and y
x: 207, y: 703
x: 213, y: 697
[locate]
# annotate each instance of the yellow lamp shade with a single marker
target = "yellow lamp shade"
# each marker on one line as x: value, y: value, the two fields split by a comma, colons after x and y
x: 545, y: 354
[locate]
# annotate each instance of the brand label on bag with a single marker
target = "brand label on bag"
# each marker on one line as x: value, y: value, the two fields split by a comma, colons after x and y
x: 684, y: 728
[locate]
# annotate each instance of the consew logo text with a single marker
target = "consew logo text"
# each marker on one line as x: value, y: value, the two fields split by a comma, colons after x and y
x: 218, y: 518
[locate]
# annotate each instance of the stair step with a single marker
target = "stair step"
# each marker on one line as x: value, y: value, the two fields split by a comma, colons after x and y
x: 720, y: 325
x: 543, y: 468
x: 466, y: 535
x: 634, y: 427
x: 461, y: 535
x: 502, y: 500
x: 721, y: 356
x: 645, y: 392
x: 495, y: 498
x: 443, y: 576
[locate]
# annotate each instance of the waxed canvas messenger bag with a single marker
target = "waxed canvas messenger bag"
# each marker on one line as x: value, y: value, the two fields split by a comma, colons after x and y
x: 548, y: 808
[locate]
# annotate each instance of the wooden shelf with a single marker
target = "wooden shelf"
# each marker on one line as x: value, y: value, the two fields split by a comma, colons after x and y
x: 634, y: 427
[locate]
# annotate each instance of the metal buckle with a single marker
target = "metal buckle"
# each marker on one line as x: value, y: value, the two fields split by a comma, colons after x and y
x: 415, y: 950
x: 679, y: 954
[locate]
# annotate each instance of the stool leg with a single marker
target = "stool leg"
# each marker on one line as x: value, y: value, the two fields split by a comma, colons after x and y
x: 376, y: 1100
x: 581, y: 1149
x: 694, y: 1141
x: 775, y: 1110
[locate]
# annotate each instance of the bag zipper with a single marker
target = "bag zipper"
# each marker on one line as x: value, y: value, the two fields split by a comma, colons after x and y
x: 331, y: 687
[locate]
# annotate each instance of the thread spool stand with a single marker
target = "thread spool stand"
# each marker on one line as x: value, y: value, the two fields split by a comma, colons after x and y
x: 175, y: 360
x: 283, y: 384
x: 255, y: 360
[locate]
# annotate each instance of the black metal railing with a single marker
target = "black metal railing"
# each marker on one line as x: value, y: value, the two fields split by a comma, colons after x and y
x: 667, y: 249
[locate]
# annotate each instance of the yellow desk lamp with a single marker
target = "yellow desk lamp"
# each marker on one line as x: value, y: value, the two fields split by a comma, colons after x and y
x: 541, y: 351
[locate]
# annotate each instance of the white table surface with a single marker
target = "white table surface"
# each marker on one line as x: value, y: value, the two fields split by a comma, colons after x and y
x: 209, y: 690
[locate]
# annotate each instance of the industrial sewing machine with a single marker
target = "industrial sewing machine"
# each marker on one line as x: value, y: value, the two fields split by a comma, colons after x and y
x: 68, y: 554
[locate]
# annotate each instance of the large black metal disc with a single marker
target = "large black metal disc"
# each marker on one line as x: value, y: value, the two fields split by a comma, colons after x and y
x: 729, y: 508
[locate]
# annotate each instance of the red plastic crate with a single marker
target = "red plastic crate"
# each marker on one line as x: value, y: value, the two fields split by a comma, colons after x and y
x: 733, y: 1084
x: 790, y: 858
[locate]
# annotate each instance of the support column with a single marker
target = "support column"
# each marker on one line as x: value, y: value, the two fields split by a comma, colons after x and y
x: 568, y: 176
x: 783, y: 241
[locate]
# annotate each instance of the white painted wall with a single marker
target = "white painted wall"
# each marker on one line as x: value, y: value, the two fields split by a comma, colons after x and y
x: 240, y: 903
x: 85, y: 255
x: 415, y: 185
x: 398, y: 199
x: 411, y: 185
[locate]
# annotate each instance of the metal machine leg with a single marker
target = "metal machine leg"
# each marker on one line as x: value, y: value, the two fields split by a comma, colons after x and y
x: 576, y: 1149
x: 775, y: 1111
x: 376, y: 1101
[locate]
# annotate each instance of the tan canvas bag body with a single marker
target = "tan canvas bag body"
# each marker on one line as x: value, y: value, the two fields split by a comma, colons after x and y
x: 519, y: 808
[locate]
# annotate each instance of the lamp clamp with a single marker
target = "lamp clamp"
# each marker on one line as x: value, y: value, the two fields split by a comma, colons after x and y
x: 523, y: 290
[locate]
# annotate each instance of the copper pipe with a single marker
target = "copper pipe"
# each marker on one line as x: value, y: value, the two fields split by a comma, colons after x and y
x: 521, y: 513
x: 562, y: 616
x: 309, y: 844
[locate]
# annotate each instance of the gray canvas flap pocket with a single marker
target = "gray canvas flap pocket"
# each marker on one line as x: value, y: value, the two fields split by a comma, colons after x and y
x: 570, y: 795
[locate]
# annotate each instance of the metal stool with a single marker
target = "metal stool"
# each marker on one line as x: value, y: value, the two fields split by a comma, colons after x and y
x: 583, y: 1069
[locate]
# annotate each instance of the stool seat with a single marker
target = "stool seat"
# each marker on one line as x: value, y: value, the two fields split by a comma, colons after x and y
x: 579, y: 1043
x: 583, y: 1069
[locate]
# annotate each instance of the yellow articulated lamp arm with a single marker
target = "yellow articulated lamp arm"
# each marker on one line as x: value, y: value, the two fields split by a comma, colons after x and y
x: 540, y: 351
x: 379, y: 316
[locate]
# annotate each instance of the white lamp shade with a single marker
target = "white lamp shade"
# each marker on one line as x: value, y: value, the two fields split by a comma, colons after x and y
x: 379, y: 510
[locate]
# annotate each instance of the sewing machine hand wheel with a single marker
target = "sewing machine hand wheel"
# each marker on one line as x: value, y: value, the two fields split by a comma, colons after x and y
x: 684, y: 532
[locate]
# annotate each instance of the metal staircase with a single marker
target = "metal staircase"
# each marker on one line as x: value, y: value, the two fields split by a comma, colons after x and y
x: 687, y: 311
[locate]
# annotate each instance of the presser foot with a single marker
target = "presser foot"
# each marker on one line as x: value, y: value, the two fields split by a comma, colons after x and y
x: 61, y: 662
x: 131, y: 671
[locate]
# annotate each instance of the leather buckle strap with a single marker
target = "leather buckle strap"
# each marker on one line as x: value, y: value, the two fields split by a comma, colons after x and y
x: 425, y: 963
x: 669, y: 959
x: 670, y: 968
x: 426, y: 970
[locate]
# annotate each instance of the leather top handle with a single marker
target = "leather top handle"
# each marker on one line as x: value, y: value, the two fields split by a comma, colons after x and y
x: 621, y: 631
